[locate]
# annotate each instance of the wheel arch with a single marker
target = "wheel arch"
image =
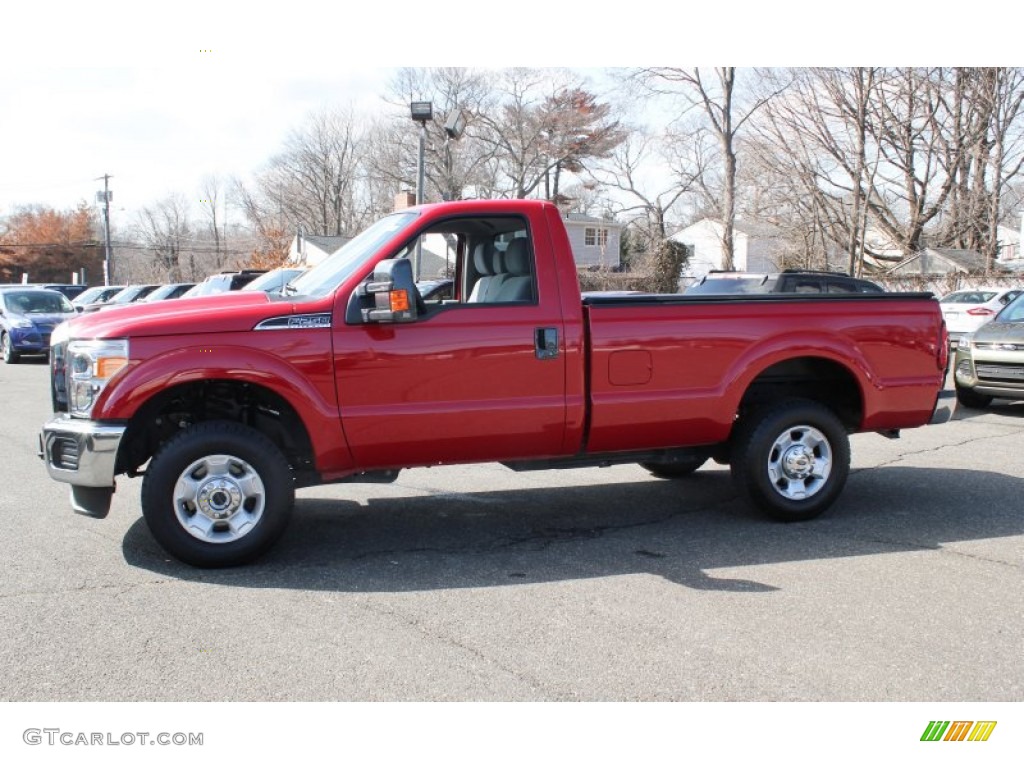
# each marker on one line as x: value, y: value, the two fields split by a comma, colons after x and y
x: 814, y: 377
x: 171, y: 410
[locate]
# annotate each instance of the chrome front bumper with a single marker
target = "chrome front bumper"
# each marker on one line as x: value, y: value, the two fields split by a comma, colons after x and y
x: 82, y: 453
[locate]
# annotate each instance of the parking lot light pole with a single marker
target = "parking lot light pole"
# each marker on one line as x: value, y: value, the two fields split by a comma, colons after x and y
x: 421, y: 112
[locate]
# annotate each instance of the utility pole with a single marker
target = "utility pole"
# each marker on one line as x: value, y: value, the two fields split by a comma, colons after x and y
x: 105, y: 196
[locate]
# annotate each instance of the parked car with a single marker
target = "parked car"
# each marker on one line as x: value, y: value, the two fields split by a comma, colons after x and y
x: 989, y: 362
x: 273, y: 282
x: 27, y: 318
x: 98, y: 294
x: 787, y: 281
x: 168, y: 291
x: 127, y: 295
x: 436, y: 290
x: 71, y: 290
x: 966, y: 311
x: 225, y: 281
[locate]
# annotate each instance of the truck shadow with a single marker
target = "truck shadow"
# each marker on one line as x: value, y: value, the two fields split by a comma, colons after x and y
x: 682, y: 531
x: 998, y: 407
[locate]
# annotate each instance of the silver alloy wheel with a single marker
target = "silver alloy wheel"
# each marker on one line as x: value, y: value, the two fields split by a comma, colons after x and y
x: 219, y: 499
x: 799, y: 462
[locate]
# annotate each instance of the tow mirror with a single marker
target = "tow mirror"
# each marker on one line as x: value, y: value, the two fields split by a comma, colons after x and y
x: 390, y: 295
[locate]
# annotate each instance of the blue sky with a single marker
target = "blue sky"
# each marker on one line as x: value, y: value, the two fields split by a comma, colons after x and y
x: 160, y: 98
x: 156, y: 130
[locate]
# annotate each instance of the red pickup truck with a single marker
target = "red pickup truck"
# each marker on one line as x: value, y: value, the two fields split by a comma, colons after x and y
x: 228, y: 403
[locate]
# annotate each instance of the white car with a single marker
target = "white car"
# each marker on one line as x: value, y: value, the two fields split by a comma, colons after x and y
x: 966, y: 311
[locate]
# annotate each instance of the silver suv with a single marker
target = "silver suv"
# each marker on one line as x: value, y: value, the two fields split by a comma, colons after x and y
x: 989, y: 363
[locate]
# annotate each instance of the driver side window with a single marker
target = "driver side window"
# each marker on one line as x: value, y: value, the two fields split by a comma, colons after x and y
x: 474, y: 260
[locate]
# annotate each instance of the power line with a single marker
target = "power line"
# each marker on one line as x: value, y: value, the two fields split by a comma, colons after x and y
x: 127, y: 245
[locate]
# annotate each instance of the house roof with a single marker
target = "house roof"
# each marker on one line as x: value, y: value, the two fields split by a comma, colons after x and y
x: 959, y: 259
x: 327, y: 243
x: 756, y: 228
x: 972, y: 261
x: 743, y: 226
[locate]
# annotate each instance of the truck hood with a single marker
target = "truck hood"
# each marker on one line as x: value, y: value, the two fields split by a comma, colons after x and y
x: 233, y: 311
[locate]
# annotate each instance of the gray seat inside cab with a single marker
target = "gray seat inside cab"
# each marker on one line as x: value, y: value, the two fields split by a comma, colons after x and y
x: 483, y: 262
x: 517, y: 282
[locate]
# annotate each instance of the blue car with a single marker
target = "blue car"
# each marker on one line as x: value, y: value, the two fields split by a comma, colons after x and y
x: 27, y: 318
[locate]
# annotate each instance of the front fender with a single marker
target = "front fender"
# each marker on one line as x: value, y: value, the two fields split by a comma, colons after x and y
x: 305, y: 381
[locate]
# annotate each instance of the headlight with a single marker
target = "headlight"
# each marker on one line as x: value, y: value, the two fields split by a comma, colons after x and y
x: 90, y: 365
x: 21, y: 322
x: 964, y: 342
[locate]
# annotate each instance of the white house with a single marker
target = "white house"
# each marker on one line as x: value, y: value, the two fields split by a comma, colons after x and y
x: 310, y: 250
x: 1009, y: 243
x: 595, y: 242
x: 757, y: 247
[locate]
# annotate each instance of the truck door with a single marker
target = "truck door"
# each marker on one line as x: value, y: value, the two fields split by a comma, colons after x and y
x: 477, y: 377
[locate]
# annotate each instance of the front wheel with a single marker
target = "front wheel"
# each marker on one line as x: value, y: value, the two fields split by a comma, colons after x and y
x: 791, y: 459
x: 218, y: 494
x: 7, y: 349
x: 971, y: 399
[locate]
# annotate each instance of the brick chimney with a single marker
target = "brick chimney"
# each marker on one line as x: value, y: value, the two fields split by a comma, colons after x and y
x: 404, y: 200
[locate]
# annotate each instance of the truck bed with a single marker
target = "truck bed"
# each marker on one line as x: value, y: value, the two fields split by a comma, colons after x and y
x: 674, y: 370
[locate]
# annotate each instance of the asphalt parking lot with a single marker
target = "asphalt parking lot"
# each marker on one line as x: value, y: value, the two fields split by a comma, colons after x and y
x: 477, y: 583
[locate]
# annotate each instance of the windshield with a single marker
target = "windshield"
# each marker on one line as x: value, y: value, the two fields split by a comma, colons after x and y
x: 730, y: 285
x: 274, y: 280
x: 37, y: 302
x: 968, y: 297
x: 132, y: 293
x: 328, y: 275
x: 1012, y: 312
x: 88, y: 295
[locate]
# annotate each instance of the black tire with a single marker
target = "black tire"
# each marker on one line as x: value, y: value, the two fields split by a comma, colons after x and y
x: 214, y: 470
x: 968, y: 398
x: 798, y: 482
x: 673, y: 470
x: 7, y: 349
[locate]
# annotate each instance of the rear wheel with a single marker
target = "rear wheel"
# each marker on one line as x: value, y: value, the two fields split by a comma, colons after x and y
x: 791, y: 459
x: 218, y: 494
x: 971, y: 399
x: 7, y: 349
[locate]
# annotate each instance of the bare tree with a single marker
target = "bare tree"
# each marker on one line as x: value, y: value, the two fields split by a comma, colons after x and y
x: 815, y: 148
x: 545, y: 123
x: 211, y: 202
x: 726, y: 114
x: 314, y: 179
x: 452, y: 167
x: 652, y: 174
x: 165, y: 230
x: 989, y: 123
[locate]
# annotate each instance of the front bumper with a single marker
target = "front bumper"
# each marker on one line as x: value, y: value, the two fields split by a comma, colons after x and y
x: 994, y: 374
x: 29, y: 341
x: 82, y: 453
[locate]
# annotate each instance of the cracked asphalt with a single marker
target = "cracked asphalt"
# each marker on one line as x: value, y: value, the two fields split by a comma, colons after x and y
x: 478, y: 583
